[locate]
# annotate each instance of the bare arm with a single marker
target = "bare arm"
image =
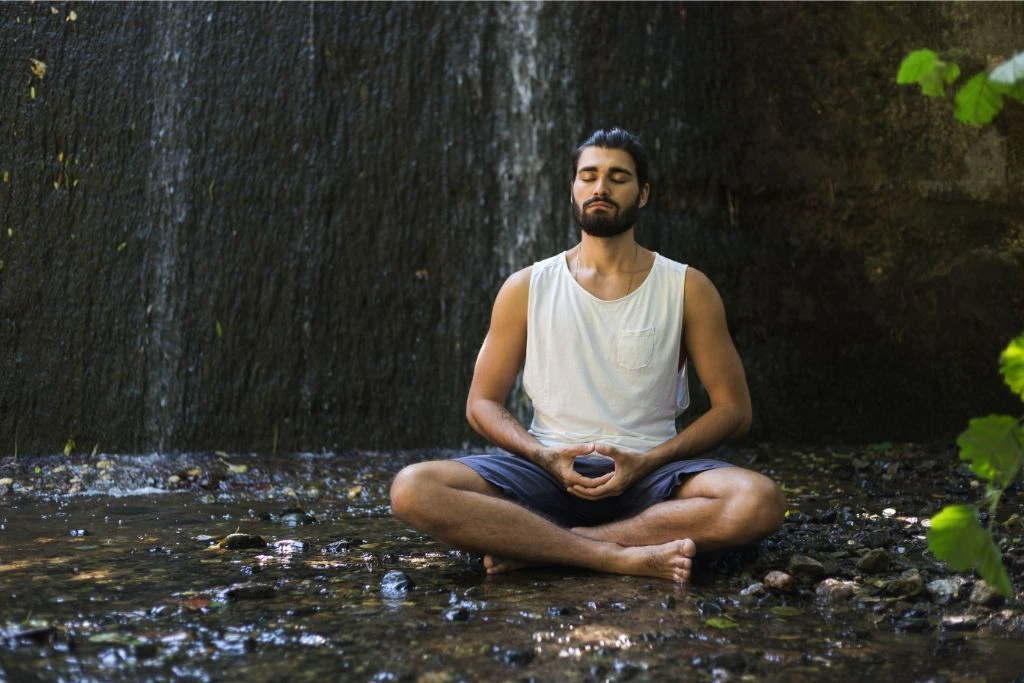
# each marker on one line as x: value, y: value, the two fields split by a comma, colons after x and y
x: 498, y: 363
x: 501, y: 356
x: 710, y: 347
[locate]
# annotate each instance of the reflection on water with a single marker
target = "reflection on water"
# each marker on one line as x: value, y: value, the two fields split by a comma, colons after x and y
x: 127, y: 583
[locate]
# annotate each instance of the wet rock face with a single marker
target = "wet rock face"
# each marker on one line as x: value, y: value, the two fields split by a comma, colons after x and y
x: 215, y: 270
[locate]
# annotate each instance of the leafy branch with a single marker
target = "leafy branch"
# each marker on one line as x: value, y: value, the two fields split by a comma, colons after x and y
x: 993, y: 448
x: 980, y: 99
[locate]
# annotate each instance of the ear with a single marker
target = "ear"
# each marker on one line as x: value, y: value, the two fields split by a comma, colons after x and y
x: 645, y: 194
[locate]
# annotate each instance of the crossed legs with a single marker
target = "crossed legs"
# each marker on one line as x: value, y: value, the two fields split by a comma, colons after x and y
x: 713, y: 510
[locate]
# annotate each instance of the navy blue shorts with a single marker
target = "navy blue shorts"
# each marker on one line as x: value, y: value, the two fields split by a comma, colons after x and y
x: 533, y: 487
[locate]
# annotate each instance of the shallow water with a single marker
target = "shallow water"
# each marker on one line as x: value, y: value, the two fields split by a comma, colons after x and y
x: 105, y: 575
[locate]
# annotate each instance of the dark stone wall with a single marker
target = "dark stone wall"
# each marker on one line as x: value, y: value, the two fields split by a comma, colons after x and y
x: 280, y: 226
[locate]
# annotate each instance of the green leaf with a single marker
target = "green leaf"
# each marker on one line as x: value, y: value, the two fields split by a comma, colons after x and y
x: 978, y: 102
x: 958, y: 539
x: 720, y: 622
x: 956, y: 536
x: 926, y: 69
x: 991, y: 448
x: 786, y: 611
x: 915, y: 65
x: 1011, y: 364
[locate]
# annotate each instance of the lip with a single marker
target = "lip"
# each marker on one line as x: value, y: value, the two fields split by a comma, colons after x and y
x: 604, y: 205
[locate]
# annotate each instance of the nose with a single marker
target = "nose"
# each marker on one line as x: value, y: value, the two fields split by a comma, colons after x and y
x: 600, y: 188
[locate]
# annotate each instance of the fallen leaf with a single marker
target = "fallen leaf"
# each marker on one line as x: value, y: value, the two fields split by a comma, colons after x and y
x: 38, y: 67
x: 720, y: 622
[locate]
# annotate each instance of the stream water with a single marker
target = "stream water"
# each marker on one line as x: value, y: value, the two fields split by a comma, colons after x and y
x: 111, y: 568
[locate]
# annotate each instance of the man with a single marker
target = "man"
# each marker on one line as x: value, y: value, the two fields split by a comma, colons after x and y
x: 603, y: 333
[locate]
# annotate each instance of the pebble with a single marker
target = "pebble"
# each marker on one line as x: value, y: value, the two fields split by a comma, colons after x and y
x: 780, y: 581
x: 906, y: 584
x: 944, y: 590
x: 249, y: 590
x: 836, y: 590
x: 960, y: 622
x: 804, y: 567
x: 395, y: 585
x: 242, y: 541
x: 754, y: 589
x: 874, y: 561
x: 985, y: 594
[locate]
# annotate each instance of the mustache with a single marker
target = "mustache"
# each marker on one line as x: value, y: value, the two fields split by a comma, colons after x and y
x: 595, y: 200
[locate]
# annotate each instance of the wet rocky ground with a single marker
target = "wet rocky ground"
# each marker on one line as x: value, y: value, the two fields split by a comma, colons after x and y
x: 214, y: 566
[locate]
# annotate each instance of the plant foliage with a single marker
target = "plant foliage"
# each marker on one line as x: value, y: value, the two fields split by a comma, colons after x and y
x: 980, y: 99
x: 993, y: 448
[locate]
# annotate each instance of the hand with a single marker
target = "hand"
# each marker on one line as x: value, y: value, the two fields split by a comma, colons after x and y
x: 630, y: 466
x: 559, y: 462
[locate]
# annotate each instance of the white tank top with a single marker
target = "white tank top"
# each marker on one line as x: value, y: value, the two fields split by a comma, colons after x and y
x: 605, y: 371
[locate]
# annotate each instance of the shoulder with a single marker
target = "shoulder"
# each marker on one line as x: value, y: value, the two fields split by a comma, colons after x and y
x: 514, y: 294
x: 700, y: 297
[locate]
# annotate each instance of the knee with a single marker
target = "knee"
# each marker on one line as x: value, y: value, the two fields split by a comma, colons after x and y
x: 765, y: 504
x: 406, y: 489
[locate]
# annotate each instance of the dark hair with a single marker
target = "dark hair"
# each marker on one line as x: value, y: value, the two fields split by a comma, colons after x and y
x: 616, y: 138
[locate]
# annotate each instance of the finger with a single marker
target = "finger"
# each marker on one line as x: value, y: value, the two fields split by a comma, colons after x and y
x: 608, y: 488
x: 578, y: 479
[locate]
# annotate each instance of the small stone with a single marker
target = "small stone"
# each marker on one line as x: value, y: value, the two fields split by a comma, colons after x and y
x: 6, y: 482
x: 289, y: 546
x: 669, y: 602
x: 340, y: 545
x: 835, y: 590
x: 874, y: 561
x: 960, y: 622
x: 804, y: 567
x: 780, y: 581
x: 242, y: 541
x: 943, y: 590
x: 395, y: 585
x: 906, y: 584
x: 986, y: 595
x: 249, y: 590
x: 457, y: 614
x: 754, y: 589
x: 517, y: 657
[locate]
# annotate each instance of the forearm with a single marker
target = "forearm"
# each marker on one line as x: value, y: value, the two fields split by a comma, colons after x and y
x: 714, y: 428
x: 493, y: 421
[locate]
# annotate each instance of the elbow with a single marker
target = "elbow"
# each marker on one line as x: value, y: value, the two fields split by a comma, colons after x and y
x: 744, y: 419
x: 471, y: 417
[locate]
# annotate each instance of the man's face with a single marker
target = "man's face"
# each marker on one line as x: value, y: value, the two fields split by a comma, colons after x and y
x: 606, y: 196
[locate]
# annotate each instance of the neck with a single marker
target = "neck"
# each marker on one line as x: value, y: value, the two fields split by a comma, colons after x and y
x: 608, y: 254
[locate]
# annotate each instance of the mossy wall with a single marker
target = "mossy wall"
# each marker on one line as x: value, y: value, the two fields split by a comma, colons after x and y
x: 281, y: 226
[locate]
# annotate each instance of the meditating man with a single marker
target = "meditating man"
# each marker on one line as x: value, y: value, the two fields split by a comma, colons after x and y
x: 604, y: 333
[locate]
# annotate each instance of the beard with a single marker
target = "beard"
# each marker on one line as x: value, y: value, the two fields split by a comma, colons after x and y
x: 605, y: 224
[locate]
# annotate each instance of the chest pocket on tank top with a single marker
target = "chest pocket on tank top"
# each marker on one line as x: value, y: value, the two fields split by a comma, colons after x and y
x: 634, y: 348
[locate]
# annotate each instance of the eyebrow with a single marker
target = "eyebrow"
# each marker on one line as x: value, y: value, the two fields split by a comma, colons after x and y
x: 613, y: 169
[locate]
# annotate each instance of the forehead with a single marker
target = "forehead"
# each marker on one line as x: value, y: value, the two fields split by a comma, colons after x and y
x: 603, y: 158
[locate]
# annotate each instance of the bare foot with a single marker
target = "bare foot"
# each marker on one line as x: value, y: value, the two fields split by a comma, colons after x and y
x: 672, y: 560
x: 499, y: 565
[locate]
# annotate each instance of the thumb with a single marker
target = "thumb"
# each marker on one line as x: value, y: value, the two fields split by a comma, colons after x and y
x: 581, y: 449
x: 606, y: 449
